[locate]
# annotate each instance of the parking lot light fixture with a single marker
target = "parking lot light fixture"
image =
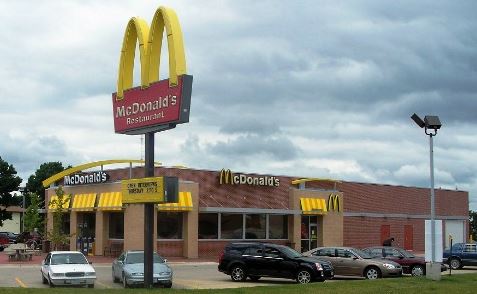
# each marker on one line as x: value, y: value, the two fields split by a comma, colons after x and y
x: 431, y: 124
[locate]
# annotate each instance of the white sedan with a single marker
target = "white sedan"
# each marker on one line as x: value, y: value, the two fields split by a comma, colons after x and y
x: 67, y: 268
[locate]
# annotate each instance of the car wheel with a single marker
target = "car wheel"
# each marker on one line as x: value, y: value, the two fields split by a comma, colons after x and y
x: 115, y: 279
x: 303, y: 276
x: 372, y: 273
x: 254, y: 278
x: 50, y: 283
x: 417, y: 271
x: 43, y: 279
x: 455, y: 264
x: 168, y: 285
x: 125, y: 283
x: 91, y: 286
x: 238, y: 273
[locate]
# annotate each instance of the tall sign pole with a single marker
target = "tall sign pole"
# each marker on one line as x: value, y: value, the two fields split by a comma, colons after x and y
x: 155, y: 106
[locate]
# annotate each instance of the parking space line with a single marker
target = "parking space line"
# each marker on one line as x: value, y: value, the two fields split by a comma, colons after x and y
x: 19, y: 282
x: 104, y: 285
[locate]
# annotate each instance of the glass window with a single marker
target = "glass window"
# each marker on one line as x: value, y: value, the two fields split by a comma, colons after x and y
x: 253, y: 251
x: 391, y: 252
x: 232, y: 226
x: 375, y: 252
x: 116, y: 225
x: 65, y: 224
x: 344, y: 253
x: 255, y: 226
x: 272, y: 252
x: 305, y: 226
x: 277, y: 226
x: 325, y: 252
x: 470, y: 248
x: 208, y: 225
x: 169, y: 225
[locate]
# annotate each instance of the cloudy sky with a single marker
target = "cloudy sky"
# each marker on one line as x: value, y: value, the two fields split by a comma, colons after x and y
x: 300, y: 88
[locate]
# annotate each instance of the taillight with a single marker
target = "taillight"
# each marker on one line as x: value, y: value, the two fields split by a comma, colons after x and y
x: 221, y: 257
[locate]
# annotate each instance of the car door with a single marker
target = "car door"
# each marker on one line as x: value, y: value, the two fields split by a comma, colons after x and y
x: 45, y: 265
x: 396, y: 256
x: 272, y: 261
x: 348, y: 263
x: 118, y: 266
x: 469, y: 255
x: 253, y: 259
x: 328, y: 254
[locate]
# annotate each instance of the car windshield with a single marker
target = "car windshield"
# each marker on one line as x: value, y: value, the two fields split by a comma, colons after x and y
x: 289, y: 252
x: 406, y: 253
x: 68, y: 258
x: 138, y: 257
x: 361, y: 253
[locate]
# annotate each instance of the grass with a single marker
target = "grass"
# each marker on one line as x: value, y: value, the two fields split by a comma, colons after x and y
x: 462, y: 283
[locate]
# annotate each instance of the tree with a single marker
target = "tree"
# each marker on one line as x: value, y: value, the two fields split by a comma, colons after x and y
x: 46, y: 170
x: 9, y: 182
x: 57, y: 236
x: 32, y: 218
x: 473, y: 224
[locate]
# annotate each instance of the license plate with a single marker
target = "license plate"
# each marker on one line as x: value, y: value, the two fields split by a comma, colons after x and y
x: 77, y: 282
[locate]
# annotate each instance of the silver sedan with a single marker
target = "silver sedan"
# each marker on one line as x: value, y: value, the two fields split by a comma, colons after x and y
x: 128, y: 268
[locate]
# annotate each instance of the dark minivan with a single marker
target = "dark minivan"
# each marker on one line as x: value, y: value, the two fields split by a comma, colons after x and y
x: 255, y: 260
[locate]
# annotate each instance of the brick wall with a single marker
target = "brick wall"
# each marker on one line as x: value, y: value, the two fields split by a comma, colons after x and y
x: 170, y: 248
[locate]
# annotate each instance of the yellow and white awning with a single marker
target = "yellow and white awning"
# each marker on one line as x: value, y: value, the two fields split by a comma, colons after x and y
x: 84, y: 202
x: 184, y: 203
x: 313, y: 205
x: 54, y: 201
x: 110, y: 201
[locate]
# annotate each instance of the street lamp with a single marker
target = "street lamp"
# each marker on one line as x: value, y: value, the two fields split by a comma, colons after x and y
x: 431, y: 124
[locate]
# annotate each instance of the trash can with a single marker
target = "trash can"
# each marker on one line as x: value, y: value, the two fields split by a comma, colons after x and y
x: 46, y: 245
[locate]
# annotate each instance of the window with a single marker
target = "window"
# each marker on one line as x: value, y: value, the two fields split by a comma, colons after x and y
x: 376, y: 252
x: 330, y: 252
x: 344, y: 253
x: 208, y: 225
x: 391, y: 252
x: 65, y: 224
x: 470, y: 248
x: 232, y: 226
x: 255, y: 226
x: 272, y: 252
x: 169, y: 225
x: 116, y: 225
x: 253, y: 251
x: 277, y: 226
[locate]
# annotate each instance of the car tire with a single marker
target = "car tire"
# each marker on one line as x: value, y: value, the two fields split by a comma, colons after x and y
x: 50, y: 283
x: 254, y: 278
x: 125, y: 283
x: 91, y: 286
x: 168, y: 285
x: 455, y: 263
x: 372, y: 273
x: 43, y: 279
x: 303, y: 276
x: 115, y: 279
x: 238, y: 273
x: 418, y: 271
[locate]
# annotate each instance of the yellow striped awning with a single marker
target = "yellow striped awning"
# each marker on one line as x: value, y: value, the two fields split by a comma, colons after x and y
x: 313, y: 206
x: 110, y: 201
x: 184, y: 204
x: 84, y: 202
x: 54, y: 198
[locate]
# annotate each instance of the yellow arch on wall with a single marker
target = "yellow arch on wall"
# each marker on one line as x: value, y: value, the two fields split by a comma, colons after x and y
x: 81, y: 167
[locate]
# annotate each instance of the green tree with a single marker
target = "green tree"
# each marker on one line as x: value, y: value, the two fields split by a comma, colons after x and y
x: 34, y: 184
x: 32, y: 218
x: 56, y: 235
x: 9, y: 182
x: 473, y: 224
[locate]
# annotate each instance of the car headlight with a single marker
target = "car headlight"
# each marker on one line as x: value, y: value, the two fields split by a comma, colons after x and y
x: 58, y: 274
x: 90, y: 274
x: 389, y: 266
x: 318, y: 266
x: 165, y: 274
x: 137, y: 274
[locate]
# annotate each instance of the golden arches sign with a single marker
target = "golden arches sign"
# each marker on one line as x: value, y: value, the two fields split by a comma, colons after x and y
x: 153, y: 106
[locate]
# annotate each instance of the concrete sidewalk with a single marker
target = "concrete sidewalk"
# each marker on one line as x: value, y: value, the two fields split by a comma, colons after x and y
x: 36, y: 259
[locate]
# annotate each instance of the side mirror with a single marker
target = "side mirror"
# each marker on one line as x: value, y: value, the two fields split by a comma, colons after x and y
x: 165, y: 260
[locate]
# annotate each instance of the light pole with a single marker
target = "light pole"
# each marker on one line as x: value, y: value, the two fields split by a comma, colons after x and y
x: 431, y: 124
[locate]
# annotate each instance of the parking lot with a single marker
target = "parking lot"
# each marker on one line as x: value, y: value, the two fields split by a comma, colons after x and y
x: 187, y: 275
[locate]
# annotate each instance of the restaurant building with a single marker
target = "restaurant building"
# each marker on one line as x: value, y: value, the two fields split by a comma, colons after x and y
x: 217, y: 207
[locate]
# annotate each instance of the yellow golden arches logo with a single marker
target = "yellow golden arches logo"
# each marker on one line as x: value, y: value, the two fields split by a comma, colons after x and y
x: 226, y: 177
x: 334, y: 203
x: 155, y: 105
x: 150, y: 42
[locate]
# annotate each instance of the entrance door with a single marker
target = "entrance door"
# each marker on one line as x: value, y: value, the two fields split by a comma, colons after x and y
x: 309, y: 232
x: 408, y: 237
x: 385, y: 232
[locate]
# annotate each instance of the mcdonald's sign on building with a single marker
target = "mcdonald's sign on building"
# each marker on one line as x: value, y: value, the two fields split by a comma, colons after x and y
x: 155, y: 105
x: 334, y: 203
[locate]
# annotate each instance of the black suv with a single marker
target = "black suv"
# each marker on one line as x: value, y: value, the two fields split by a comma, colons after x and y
x: 256, y: 260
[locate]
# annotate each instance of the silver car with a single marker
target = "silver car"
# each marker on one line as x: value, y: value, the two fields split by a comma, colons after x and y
x: 348, y: 261
x: 128, y: 268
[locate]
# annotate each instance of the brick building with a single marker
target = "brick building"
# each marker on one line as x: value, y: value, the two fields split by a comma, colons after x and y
x: 216, y: 207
